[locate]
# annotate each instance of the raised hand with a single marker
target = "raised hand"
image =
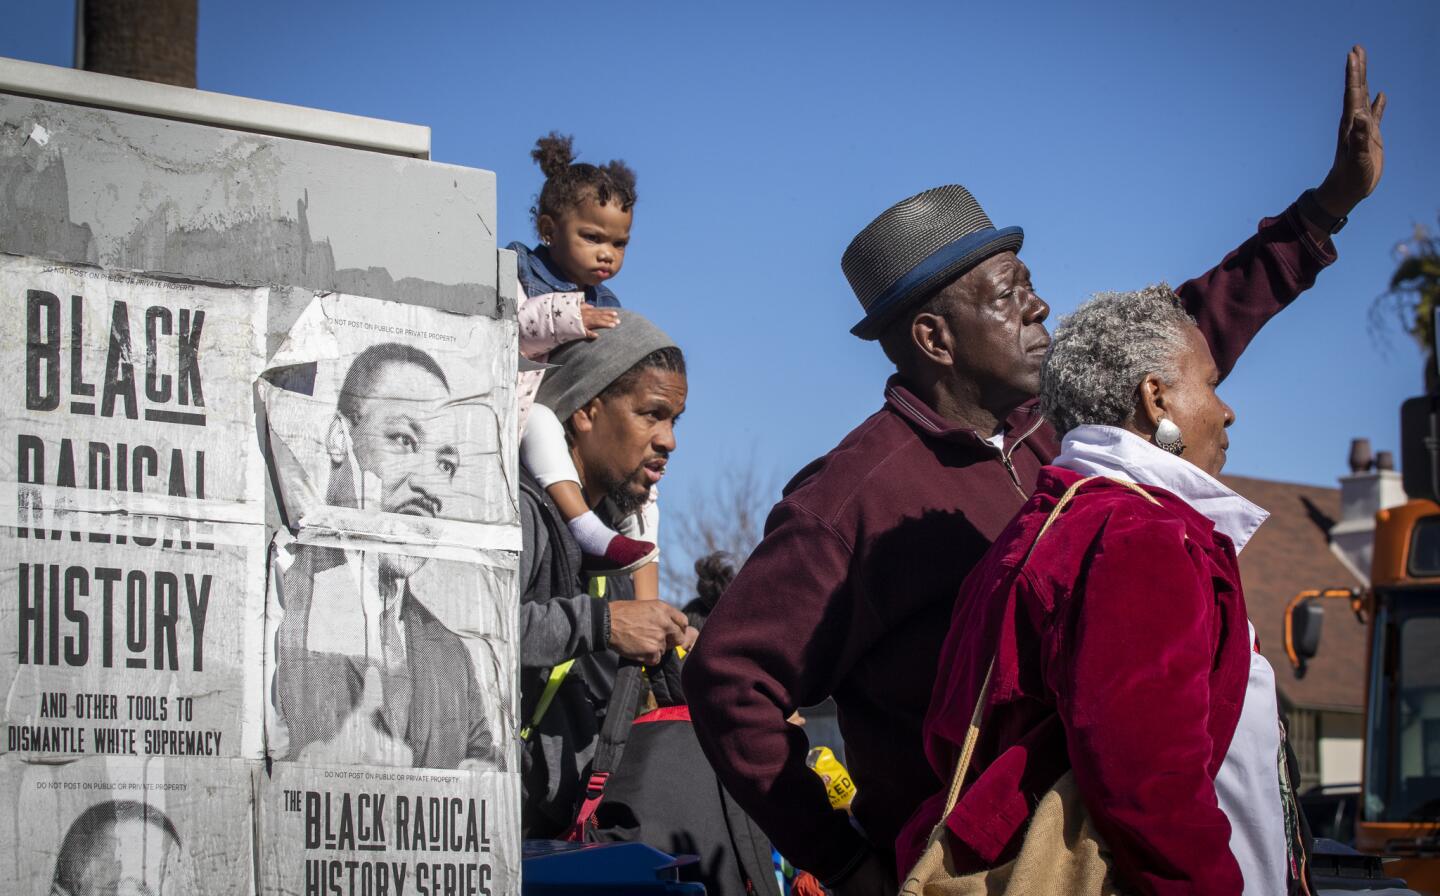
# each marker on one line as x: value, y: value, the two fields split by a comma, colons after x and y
x: 1359, y: 151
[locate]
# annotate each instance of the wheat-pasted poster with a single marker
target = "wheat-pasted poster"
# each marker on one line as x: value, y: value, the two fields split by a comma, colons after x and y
x: 164, y: 827
x: 395, y: 422
x: 354, y: 831
x: 132, y: 542
x: 379, y: 657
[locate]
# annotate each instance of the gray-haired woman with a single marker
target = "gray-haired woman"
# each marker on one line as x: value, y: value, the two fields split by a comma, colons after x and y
x: 1125, y: 654
x: 1135, y: 363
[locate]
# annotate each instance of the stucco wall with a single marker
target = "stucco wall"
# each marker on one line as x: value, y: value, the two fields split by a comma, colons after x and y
x: 130, y: 191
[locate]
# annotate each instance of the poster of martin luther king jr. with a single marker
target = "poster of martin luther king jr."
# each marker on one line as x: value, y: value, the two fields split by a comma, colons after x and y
x: 117, y: 826
x: 392, y: 607
x: 396, y: 421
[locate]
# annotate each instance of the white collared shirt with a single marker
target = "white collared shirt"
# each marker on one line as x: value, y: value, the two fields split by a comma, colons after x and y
x: 1247, y: 787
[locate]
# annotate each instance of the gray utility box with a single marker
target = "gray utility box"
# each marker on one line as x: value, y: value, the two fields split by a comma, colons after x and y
x: 246, y: 651
x: 123, y: 174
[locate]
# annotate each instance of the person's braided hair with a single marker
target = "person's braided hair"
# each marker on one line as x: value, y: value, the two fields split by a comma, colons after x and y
x: 569, y: 183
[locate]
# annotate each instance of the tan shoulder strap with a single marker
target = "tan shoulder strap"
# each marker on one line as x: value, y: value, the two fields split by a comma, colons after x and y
x: 1069, y: 494
x: 973, y: 733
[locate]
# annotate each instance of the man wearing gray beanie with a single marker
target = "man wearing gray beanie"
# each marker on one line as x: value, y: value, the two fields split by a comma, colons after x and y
x: 618, y: 396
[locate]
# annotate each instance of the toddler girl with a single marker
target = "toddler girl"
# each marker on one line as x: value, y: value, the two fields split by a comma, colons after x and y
x: 583, y: 217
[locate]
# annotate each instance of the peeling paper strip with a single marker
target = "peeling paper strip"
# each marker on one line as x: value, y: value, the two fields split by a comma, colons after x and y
x: 49, y: 508
x: 321, y: 536
x: 400, y: 531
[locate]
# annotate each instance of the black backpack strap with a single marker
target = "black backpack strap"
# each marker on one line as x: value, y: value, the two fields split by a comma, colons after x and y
x: 624, y: 700
x: 750, y: 847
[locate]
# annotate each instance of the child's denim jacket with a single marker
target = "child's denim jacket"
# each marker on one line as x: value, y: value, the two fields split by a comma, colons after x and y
x: 538, y: 276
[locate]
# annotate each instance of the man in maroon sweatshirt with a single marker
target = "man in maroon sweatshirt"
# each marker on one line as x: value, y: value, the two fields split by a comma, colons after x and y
x: 850, y: 593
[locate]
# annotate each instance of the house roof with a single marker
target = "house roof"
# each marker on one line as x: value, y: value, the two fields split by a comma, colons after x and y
x: 1289, y: 554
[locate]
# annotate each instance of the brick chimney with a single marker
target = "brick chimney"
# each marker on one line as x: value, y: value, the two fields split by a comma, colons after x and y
x: 1372, y: 486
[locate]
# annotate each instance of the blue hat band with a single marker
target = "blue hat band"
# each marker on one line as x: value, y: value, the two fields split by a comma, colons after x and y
x: 950, y: 259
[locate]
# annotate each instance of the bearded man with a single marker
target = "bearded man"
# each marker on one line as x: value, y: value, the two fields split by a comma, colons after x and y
x: 618, y: 396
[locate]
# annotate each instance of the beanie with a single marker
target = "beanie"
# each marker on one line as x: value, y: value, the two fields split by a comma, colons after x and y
x: 587, y: 367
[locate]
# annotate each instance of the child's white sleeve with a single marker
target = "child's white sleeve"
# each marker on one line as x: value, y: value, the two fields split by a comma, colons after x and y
x: 543, y: 449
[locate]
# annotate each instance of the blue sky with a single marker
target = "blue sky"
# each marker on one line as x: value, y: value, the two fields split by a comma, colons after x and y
x: 1133, y: 141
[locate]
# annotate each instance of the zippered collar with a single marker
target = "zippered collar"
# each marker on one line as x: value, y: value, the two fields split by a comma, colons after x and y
x: 1021, y: 423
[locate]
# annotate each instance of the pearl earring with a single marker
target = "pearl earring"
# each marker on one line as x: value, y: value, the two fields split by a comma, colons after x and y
x: 1167, y: 436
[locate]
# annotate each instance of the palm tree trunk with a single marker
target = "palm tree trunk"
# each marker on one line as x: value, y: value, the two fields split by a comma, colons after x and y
x: 153, y: 40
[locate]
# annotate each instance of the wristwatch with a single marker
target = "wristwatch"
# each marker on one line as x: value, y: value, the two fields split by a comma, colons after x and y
x: 1310, y: 208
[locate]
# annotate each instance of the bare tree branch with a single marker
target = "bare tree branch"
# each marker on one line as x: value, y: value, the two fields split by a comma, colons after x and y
x: 727, y: 513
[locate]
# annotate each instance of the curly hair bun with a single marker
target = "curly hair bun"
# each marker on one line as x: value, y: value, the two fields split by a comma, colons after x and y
x: 713, y: 574
x: 554, y: 153
x: 568, y: 183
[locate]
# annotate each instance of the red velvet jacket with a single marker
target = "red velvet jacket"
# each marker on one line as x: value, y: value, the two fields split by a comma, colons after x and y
x: 851, y: 591
x: 1121, y: 650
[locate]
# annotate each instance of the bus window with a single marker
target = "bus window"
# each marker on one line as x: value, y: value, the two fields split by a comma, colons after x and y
x: 1424, y: 557
x: 1417, y: 722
